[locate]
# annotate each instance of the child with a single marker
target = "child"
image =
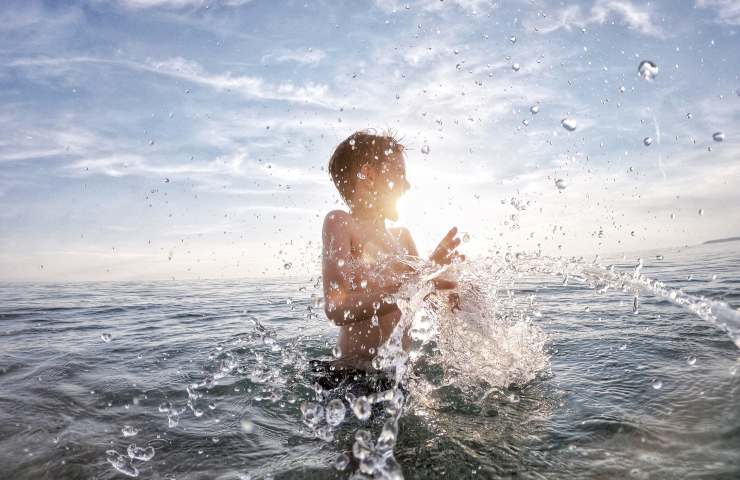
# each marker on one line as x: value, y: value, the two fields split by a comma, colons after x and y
x: 361, y: 267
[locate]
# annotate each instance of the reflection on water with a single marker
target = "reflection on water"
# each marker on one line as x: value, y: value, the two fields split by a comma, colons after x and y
x: 550, y: 370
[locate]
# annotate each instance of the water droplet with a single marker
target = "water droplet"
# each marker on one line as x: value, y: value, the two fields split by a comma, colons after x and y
x: 458, y: 67
x: 569, y: 124
x: 689, y: 115
x: 691, y: 360
x: 535, y: 109
x: 425, y: 149
x: 466, y: 237
x: 312, y: 413
x: 336, y: 352
x: 361, y: 408
x: 121, y: 463
x: 166, y: 180
x: 701, y: 212
x: 398, y: 96
x: 363, y: 284
x: 525, y: 122
x: 516, y: 67
x: 140, y: 453
x: 648, y: 70
x: 247, y: 425
x: 288, y: 266
x: 512, y: 39
x: 622, y: 89
x: 657, y: 384
x: 129, y: 431
x: 335, y: 412
x: 341, y: 462
x: 659, y: 257
x: 718, y: 136
x: 647, y: 141
x: 560, y: 183
x: 106, y: 337
x: 352, y: 142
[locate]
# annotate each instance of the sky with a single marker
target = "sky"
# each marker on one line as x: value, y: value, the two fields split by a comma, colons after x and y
x: 160, y: 139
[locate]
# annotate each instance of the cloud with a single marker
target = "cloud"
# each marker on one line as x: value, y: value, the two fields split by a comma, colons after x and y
x: 179, y: 4
x: 636, y: 17
x: 235, y: 164
x: 309, y: 56
x: 393, y: 6
x: 727, y: 11
x: 178, y: 67
x: 27, y: 142
x: 35, y: 19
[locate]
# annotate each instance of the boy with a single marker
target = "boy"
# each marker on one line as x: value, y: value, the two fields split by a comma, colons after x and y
x: 361, y: 267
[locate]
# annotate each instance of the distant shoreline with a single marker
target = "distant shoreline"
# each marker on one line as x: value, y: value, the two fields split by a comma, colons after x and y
x: 722, y: 240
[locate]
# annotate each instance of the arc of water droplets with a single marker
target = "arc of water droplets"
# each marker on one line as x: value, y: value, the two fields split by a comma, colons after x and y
x: 717, y: 313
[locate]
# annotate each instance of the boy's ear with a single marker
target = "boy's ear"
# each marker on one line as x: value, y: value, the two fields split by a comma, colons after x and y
x: 367, y: 172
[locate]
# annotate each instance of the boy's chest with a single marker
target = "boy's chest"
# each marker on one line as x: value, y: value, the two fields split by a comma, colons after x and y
x: 371, y: 246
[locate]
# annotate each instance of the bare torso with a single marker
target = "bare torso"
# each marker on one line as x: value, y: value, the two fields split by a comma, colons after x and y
x: 359, y: 341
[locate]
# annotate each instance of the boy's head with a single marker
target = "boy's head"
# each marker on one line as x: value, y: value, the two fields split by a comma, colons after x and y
x: 370, y: 173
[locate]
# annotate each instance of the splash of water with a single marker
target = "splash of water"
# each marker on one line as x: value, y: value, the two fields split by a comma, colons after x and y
x: 483, y: 337
x: 608, y: 278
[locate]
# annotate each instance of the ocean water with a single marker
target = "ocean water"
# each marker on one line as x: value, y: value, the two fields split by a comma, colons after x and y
x: 554, y: 378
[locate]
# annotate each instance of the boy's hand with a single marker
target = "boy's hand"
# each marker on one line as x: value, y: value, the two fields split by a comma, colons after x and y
x: 445, y: 251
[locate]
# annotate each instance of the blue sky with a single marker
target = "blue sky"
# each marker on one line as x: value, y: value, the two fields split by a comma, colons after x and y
x: 146, y: 139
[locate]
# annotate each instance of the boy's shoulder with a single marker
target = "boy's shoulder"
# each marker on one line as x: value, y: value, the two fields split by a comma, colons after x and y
x: 338, y: 219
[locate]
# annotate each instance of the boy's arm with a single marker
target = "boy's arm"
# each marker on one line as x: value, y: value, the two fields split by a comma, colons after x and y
x: 346, y: 301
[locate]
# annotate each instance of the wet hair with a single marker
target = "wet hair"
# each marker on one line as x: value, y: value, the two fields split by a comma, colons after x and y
x: 356, y: 150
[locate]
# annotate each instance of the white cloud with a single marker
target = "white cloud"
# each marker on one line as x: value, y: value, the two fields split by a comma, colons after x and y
x: 392, y: 6
x: 727, y: 11
x: 636, y: 17
x: 36, y: 18
x: 235, y: 164
x: 30, y: 142
x: 309, y: 56
x: 179, y: 4
x: 181, y: 68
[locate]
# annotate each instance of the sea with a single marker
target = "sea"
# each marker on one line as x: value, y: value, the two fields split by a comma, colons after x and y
x: 576, y: 368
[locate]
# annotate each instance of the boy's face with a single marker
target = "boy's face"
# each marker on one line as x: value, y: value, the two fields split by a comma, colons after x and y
x: 389, y: 184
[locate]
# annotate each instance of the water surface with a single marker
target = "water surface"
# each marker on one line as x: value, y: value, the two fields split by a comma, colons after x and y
x: 652, y: 394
